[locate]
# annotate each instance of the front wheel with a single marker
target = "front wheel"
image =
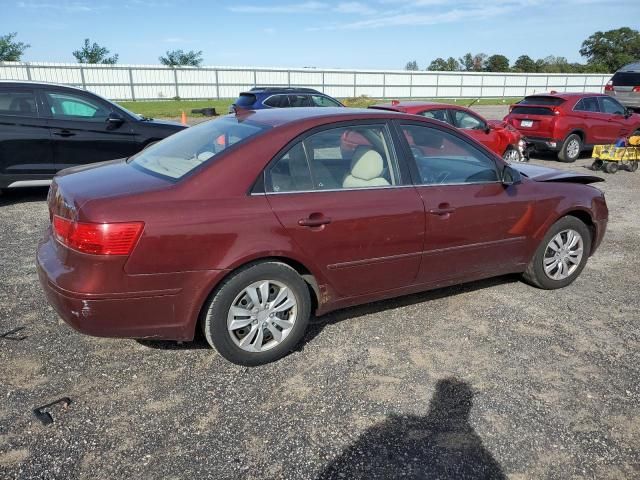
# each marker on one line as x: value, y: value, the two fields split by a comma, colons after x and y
x: 561, y: 255
x: 258, y: 315
x: 571, y: 149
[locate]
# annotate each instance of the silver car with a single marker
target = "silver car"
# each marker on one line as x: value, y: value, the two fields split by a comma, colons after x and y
x: 625, y: 85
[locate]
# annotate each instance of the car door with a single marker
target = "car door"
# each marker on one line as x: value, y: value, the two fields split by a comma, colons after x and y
x: 350, y: 210
x: 477, y: 129
x: 25, y: 146
x: 616, y: 123
x: 587, y: 117
x: 81, y: 130
x: 475, y: 226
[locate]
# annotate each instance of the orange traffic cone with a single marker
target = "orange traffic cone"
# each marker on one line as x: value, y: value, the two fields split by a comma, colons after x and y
x: 183, y: 118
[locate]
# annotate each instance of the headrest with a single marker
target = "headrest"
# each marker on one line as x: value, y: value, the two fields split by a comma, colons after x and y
x: 366, y: 164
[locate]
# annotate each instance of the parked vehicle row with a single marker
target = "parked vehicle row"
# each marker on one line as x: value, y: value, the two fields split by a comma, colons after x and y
x: 45, y: 128
x: 570, y: 123
x: 246, y: 225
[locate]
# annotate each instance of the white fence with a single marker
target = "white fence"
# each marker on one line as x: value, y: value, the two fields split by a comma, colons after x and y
x: 147, y: 82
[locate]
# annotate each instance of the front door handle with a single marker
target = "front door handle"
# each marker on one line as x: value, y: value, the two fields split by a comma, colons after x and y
x: 64, y: 133
x: 314, y: 220
x: 443, y: 209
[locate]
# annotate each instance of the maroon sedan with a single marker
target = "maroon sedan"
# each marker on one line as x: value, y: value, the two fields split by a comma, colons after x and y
x: 498, y: 136
x: 247, y: 225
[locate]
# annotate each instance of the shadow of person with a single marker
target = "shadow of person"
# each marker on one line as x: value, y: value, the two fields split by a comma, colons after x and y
x: 440, y: 445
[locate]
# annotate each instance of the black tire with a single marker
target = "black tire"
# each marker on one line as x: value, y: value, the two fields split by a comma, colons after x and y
x: 597, y: 164
x: 215, y: 311
x: 564, y: 155
x: 611, y: 167
x: 633, y: 165
x: 512, y: 155
x: 535, y: 274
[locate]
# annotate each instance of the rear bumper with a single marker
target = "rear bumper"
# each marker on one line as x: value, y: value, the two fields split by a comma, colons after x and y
x: 543, y: 143
x: 160, y: 306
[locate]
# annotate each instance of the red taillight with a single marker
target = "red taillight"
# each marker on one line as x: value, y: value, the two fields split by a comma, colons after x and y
x: 636, y: 89
x: 609, y: 86
x: 97, y: 238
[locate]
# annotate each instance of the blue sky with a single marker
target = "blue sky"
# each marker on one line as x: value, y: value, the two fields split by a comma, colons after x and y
x: 378, y: 34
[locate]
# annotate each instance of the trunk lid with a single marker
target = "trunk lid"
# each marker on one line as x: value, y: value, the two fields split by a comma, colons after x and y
x: 73, y: 187
x: 532, y: 120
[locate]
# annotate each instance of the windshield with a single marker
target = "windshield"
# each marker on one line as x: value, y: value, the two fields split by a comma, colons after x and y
x: 180, y: 153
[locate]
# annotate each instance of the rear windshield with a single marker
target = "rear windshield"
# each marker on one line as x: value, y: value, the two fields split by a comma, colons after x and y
x: 531, y: 111
x: 541, y: 100
x: 245, y: 100
x: 182, y: 152
x: 626, y: 79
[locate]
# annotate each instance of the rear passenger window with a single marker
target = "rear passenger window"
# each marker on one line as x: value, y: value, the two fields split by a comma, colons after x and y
x: 589, y: 104
x: 467, y: 121
x: 436, y: 115
x: 322, y: 101
x: 277, y: 101
x: 339, y: 158
x: 445, y: 159
x: 300, y: 101
x: 18, y: 102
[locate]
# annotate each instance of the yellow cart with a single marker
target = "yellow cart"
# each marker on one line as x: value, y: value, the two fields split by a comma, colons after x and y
x: 609, y: 158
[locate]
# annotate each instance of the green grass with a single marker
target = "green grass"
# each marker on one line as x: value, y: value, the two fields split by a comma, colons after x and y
x: 174, y: 108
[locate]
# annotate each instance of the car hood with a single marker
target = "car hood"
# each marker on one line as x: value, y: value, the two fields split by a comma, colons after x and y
x: 546, y: 174
x: 164, y: 123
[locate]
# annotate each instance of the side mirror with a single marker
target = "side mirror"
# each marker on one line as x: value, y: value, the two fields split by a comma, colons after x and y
x: 114, y: 120
x: 487, y: 128
x: 627, y: 112
x: 510, y: 176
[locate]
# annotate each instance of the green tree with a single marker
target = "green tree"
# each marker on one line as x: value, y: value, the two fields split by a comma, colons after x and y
x: 179, y: 58
x: 552, y: 64
x: 10, y: 50
x: 525, y: 63
x: 94, y: 53
x: 412, y: 66
x: 612, y: 49
x: 497, y: 63
x: 442, y: 65
x: 466, y: 62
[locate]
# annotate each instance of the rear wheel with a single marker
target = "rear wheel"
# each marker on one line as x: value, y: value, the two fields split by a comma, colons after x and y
x: 597, y: 164
x: 633, y: 166
x: 511, y: 155
x: 571, y: 149
x: 258, y: 315
x: 561, y: 256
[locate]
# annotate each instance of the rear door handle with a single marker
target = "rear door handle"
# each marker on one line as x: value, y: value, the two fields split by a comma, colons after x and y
x: 314, y: 220
x: 64, y: 133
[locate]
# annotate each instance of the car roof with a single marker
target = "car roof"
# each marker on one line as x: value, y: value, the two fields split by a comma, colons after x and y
x: 567, y: 95
x: 631, y: 67
x: 40, y: 84
x: 410, y: 103
x: 282, y: 90
x: 276, y: 117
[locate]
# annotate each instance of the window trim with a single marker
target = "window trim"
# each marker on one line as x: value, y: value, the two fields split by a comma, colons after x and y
x: 403, y: 171
x: 498, y: 163
x: 20, y: 89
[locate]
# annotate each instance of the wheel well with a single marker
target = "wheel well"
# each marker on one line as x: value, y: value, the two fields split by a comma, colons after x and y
x: 585, y: 218
x: 580, y: 133
x: 307, y: 276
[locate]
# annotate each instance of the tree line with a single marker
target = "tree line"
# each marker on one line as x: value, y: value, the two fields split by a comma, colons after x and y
x: 605, y: 52
x: 12, y: 50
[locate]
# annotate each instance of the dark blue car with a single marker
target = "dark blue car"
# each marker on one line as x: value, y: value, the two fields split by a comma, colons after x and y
x: 282, y: 97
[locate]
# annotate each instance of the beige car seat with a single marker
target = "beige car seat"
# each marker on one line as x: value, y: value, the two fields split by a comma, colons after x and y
x: 367, y: 168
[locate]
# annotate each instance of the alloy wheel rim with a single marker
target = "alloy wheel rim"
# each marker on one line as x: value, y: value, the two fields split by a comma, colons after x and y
x: 573, y: 148
x: 563, y: 255
x: 512, y: 156
x: 262, y: 315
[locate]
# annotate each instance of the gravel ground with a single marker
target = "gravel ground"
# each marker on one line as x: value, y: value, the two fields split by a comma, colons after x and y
x: 493, y: 379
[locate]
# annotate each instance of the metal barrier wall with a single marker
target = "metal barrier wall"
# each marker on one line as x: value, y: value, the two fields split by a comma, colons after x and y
x: 151, y: 82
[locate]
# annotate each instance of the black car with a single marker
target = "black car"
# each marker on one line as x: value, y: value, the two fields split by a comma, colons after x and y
x: 45, y: 128
x: 282, y: 97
